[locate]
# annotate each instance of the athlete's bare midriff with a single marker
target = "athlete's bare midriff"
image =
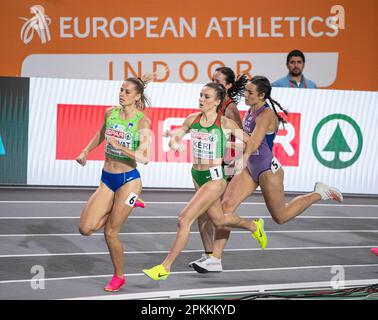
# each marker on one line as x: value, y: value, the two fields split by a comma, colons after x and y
x: 205, y: 164
x: 117, y: 166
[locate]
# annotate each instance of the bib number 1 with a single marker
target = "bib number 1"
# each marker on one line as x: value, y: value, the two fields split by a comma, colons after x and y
x: 275, y: 165
x: 216, y: 173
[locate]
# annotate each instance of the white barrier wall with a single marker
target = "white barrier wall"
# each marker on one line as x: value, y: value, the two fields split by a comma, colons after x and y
x: 330, y: 135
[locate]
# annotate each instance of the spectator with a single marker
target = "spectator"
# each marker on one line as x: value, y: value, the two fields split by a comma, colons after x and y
x: 295, y: 63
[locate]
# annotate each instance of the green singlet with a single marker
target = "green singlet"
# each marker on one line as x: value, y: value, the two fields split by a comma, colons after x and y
x: 208, y: 143
x: 125, y: 131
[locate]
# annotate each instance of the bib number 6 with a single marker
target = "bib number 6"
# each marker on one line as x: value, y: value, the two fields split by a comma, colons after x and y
x: 131, y: 199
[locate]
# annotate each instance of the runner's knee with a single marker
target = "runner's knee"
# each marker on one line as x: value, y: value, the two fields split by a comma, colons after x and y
x: 85, y: 230
x: 228, y: 205
x: 183, y: 221
x: 279, y: 219
x: 110, y: 232
x: 219, y: 224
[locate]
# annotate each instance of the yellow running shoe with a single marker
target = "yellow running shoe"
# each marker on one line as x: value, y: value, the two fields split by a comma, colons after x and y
x: 259, y: 234
x: 157, y: 273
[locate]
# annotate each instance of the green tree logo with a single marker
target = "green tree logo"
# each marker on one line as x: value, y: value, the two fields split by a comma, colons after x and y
x: 337, y: 143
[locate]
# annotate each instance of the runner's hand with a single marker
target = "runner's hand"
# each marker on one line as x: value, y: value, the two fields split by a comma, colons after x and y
x: 114, y: 143
x: 178, y: 147
x: 82, y: 158
x: 167, y: 134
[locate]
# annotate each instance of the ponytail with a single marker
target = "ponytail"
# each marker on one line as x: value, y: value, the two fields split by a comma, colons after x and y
x: 140, y: 85
x: 263, y: 87
x: 236, y: 92
x: 275, y: 103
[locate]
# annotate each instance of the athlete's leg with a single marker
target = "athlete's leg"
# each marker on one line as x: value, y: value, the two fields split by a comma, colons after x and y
x: 210, y: 263
x: 118, y: 215
x: 206, y: 229
x: 200, y: 203
x: 272, y: 189
x: 240, y: 187
x: 96, y: 211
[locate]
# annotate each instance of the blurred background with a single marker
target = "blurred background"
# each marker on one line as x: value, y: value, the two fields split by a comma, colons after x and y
x: 62, y: 63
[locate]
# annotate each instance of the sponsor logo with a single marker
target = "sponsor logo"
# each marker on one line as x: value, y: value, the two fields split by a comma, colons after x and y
x: 286, y: 146
x: 114, y: 133
x: 337, y: 141
x: 38, y: 24
x: 73, y: 137
x: 200, y: 135
x: 212, y: 138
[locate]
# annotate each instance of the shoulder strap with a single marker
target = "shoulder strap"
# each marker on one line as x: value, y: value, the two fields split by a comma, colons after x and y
x: 218, y: 120
x: 140, y: 115
x: 224, y: 106
x: 196, y: 120
x: 115, y: 109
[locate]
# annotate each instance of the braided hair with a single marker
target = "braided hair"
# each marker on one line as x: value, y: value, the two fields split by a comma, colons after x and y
x: 236, y: 92
x: 263, y: 87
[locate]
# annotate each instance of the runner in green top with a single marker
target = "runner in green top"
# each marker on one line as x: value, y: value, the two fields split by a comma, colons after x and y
x: 209, y: 131
x: 235, y: 87
x: 127, y: 134
x: 125, y: 131
x: 207, y: 142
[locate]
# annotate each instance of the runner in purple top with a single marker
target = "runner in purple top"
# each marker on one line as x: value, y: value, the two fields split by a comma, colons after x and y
x: 261, y: 168
x: 261, y: 159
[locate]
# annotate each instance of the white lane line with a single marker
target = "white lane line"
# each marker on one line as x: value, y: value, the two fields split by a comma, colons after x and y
x: 182, y: 202
x: 192, y: 272
x: 184, y: 251
x: 37, y: 218
x: 221, y: 291
x: 39, y: 202
x: 54, y: 188
x: 175, y: 217
x: 174, y: 232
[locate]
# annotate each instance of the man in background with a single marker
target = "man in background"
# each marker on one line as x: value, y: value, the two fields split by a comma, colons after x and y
x: 295, y: 63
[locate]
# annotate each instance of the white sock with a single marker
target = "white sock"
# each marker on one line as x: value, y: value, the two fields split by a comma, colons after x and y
x: 215, y: 259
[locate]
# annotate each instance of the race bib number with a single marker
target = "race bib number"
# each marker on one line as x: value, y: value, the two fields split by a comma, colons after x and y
x: 275, y: 165
x: 131, y: 199
x: 216, y: 173
x: 204, y: 145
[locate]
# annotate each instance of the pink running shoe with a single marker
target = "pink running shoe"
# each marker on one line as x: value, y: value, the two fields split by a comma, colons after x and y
x: 139, y: 203
x: 375, y: 251
x: 115, y: 284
